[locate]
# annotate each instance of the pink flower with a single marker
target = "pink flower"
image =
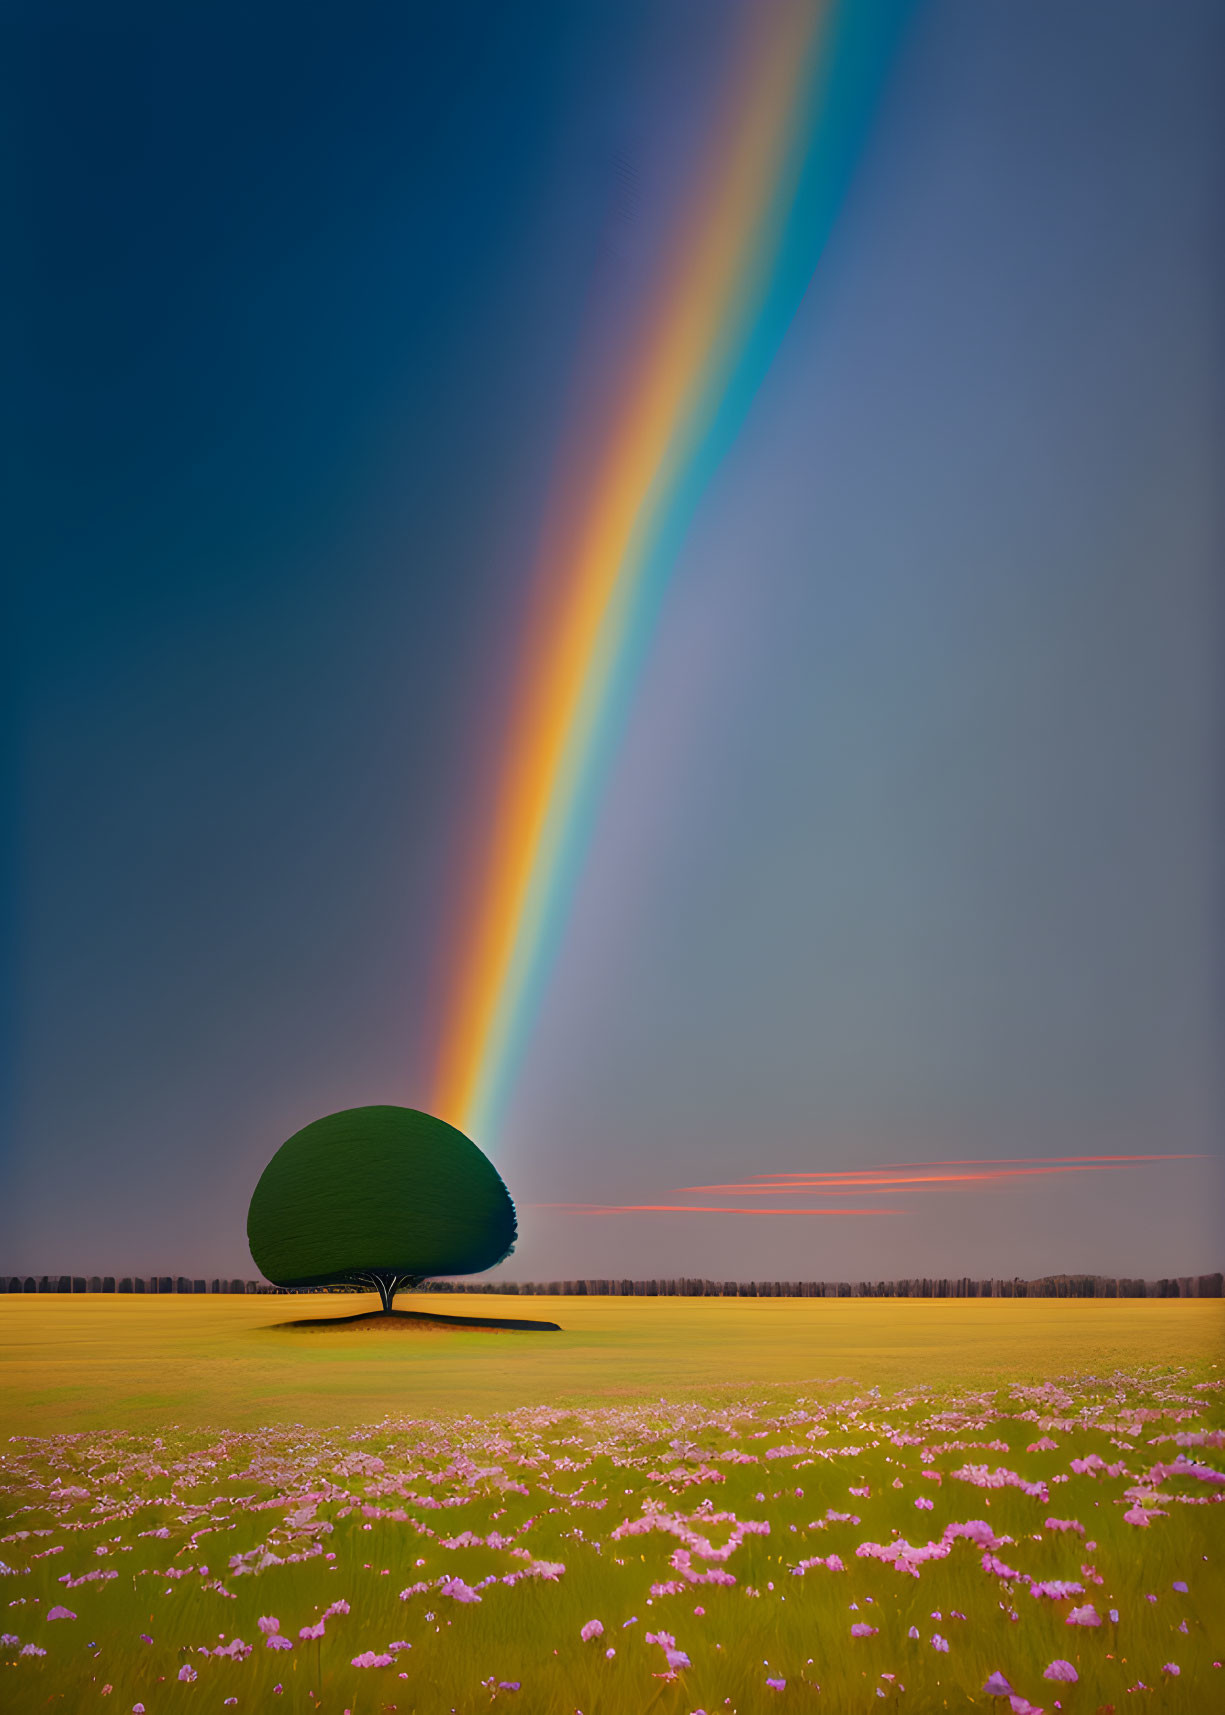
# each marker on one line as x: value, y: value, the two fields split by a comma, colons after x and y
x: 593, y: 1629
x: 997, y: 1686
x: 315, y: 1631
x: 32, y: 1649
x: 1060, y: 1669
x: 862, y: 1630
x: 187, y: 1673
x: 268, y: 1625
x: 777, y: 1684
x: 458, y: 1590
x: 60, y: 1614
x: 913, y: 1632
x: 340, y: 1607
x: 1022, y: 1706
x: 609, y: 1654
x: 1172, y: 1668
x: 939, y: 1643
x: 275, y: 1641
x: 368, y: 1659
x: 1086, y: 1616
x: 924, y: 1504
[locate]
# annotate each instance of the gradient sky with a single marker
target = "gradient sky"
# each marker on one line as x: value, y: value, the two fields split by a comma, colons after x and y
x: 910, y: 852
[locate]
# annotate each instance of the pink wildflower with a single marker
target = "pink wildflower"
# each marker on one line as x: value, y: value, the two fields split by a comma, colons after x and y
x: 609, y: 1654
x: 340, y: 1607
x: 1085, y: 1616
x: 268, y: 1625
x: 777, y: 1684
x: 58, y: 1613
x: 913, y: 1632
x: 1060, y: 1669
x: 368, y: 1659
x: 187, y: 1673
x: 1172, y: 1668
x: 940, y: 1644
x: 457, y: 1590
x: 32, y: 1649
x: 275, y: 1641
x: 593, y: 1629
x: 924, y: 1504
x: 997, y: 1686
x: 315, y: 1631
x: 862, y: 1630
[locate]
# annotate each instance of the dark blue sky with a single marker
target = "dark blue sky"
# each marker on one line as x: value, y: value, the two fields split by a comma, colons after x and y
x: 912, y: 850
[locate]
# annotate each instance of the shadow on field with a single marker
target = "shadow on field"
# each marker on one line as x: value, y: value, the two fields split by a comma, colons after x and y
x: 413, y: 1322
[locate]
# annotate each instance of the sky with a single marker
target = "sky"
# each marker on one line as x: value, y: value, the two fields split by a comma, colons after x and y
x: 904, y: 845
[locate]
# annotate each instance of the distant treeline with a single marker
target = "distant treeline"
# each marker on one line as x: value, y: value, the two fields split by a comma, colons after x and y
x: 1049, y: 1286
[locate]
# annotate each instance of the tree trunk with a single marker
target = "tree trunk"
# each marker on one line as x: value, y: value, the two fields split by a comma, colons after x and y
x: 387, y: 1283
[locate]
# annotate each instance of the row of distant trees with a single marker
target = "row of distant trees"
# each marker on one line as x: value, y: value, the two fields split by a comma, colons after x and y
x: 1049, y: 1286
x: 125, y: 1283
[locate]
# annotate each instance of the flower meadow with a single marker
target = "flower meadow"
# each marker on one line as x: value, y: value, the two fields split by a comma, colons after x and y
x: 1052, y: 1547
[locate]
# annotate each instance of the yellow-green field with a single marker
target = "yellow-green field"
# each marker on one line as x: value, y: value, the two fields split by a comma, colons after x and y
x: 95, y: 1361
x: 680, y: 1507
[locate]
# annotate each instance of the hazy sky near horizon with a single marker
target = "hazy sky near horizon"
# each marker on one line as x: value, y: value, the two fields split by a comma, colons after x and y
x: 911, y: 849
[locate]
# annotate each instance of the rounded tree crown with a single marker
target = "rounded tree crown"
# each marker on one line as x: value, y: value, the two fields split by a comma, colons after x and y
x: 378, y: 1188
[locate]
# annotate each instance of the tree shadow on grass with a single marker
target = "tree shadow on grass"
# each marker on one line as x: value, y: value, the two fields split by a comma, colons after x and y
x: 412, y: 1322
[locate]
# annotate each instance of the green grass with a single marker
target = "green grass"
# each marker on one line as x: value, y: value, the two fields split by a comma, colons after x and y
x: 96, y: 1361
x: 194, y: 1420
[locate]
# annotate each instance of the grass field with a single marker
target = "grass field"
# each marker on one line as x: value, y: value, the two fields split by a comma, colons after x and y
x: 671, y: 1506
x: 94, y: 1361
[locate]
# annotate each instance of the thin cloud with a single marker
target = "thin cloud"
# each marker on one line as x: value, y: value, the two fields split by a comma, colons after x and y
x: 920, y: 1176
x: 697, y: 1209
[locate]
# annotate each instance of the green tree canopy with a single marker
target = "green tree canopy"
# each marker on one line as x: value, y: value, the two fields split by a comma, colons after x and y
x: 380, y: 1196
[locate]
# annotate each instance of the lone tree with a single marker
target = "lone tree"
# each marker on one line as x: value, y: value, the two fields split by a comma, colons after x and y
x: 380, y: 1197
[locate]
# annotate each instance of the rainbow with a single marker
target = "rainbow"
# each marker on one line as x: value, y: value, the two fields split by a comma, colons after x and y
x: 773, y: 182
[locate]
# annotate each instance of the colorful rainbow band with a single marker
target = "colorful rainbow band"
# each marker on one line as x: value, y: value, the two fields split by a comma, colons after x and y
x: 774, y: 183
